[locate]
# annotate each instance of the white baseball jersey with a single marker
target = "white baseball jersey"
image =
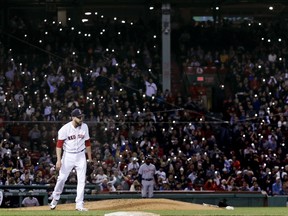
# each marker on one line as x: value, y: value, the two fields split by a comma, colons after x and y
x: 74, y: 137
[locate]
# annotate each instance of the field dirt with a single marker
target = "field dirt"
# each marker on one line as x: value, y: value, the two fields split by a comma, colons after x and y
x: 130, y: 205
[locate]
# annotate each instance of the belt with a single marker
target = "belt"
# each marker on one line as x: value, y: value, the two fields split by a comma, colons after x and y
x: 147, y: 179
x: 76, y: 152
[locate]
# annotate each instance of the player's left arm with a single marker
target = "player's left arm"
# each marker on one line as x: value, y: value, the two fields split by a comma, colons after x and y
x: 88, y: 144
x: 155, y: 176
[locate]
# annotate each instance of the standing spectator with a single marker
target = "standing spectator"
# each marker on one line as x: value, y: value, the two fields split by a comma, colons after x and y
x: 133, y: 165
x: 151, y: 88
x: 2, y: 97
x: 10, y: 73
x: 35, y: 137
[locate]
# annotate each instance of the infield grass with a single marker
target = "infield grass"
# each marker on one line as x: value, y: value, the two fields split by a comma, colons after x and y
x: 240, y: 211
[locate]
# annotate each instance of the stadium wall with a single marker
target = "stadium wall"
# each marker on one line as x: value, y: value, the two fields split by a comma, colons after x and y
x: 237, y: 199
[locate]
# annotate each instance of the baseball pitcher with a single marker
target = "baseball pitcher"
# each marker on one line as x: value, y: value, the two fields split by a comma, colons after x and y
x: 73, y: 139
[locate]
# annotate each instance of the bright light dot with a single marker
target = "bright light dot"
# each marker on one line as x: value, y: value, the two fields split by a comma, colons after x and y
x: 249, y: 24
x: 154, y: 36
x: 40, y: 41
x: 59, y: 22
x: 103, y: 30
x: 73, y: 53
x: 138, y: 51
x: 279, y: 39
x: 263, y: 80
x: 151, y: 8
x: 280, y: 59
x: 269, y: 40
x: 260, y: 24
x: 101, y: 33
x: 69, y: 19
x: 53, y: 22
x: 25, y: 35
x: 259, y: 66
x: 131, y: 23
x: 123, y: 21
x: 96, y: 13
x: 60, y: 29
x: 72, y: 28
x: 45, y: 20
x: 88, y: 13
x: 271, y: 8
x: 107, y: 49
x: 46, y: 33
x: 262, y: 38
x: 102, y: 16
x: 79, y: 32
x: 115, y: 18
x: 89, y: 35
x: 84, y: 20
x: 119, y: 33
x: 217, y: 8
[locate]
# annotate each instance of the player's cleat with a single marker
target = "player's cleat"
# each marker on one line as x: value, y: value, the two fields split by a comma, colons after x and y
x: 53, y: 204
x: 81, y: 209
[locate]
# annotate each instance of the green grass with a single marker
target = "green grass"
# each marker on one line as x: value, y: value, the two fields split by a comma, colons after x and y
x: 261, y: 211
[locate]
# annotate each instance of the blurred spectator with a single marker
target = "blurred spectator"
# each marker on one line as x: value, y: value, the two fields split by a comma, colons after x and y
x: 35, y: 136
x: 277, y: 187
x: 30, y: 201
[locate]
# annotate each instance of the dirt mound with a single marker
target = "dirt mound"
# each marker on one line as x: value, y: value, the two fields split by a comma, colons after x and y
x: 130, y: 205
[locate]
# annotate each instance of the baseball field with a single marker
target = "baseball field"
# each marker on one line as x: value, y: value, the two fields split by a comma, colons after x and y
x: 127, y: 207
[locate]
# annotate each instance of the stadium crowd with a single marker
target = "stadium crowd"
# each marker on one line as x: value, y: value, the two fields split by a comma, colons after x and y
x: 115, y: 81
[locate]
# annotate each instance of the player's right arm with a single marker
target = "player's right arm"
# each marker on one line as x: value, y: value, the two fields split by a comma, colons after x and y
x: 59, y: 146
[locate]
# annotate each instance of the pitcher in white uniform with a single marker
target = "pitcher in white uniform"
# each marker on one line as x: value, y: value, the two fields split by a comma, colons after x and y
x: 74, y: 139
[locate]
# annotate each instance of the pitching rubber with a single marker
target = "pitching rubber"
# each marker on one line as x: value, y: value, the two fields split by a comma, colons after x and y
x: 134, y: 213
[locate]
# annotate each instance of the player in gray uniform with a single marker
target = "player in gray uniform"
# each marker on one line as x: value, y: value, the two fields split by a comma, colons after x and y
x: 147, y: 177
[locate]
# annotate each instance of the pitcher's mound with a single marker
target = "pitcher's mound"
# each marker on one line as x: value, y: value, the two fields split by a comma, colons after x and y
x: 130, y: 205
